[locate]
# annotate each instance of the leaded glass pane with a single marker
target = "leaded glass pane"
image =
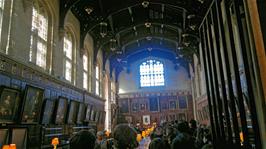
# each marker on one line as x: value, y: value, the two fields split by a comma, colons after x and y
x: 40, y: 28
x: 68, y: 70
x: 151, y: 73
x: 85, y: 80
x: 85, y: 62
x: 68, y: 46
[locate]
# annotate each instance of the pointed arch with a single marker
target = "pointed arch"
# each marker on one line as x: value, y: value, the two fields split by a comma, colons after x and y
x: 69, y: 54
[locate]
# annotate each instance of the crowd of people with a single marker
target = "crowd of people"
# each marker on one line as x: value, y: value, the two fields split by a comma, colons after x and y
x: 169, y: 135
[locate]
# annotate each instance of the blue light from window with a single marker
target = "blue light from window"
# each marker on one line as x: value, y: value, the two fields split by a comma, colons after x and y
x: 151, y: 73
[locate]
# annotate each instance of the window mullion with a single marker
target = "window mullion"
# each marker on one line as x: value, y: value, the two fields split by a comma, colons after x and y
x: 151, y: 73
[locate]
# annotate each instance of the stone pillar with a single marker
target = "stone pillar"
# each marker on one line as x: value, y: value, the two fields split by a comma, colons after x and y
x: 57, y: 56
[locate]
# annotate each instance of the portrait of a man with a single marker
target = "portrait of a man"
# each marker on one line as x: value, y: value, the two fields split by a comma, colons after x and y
x: 9, y: 103
x: 146, y: 120
x: 32, y: 104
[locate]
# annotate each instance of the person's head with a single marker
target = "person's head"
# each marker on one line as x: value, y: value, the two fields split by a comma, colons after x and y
x: 125, y: 137
x: 183, y: 127
x: 182, y: 140
x: 193, y: 124
x: 156, y: 143
x: 100, y: 135
x: 83, y: 139
x: 158, y: 131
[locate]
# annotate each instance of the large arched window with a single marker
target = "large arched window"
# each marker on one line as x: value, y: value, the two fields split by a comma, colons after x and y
x: 151, y: 73
x: 68, y: 56
x: 1, y: 14
x: 39, y: 28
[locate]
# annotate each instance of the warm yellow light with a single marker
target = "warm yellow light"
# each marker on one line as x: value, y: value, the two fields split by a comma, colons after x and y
x: 55, y: 142
x: 107, y: 133
x: 241, y: 137
x: 143, y: 134
x: 139, y: 137
x: 5, y: 147
x: 12, y: 146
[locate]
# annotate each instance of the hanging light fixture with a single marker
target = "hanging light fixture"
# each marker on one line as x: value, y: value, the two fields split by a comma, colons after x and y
x: 88, y: 9
x: 189, y: 39
x: 119, y: 52
x: 112, y: 44
x: 186, y: 40
x: 145, y: 4
x: 192, y: 24
x: 103, y: 29
x: 147, y: 24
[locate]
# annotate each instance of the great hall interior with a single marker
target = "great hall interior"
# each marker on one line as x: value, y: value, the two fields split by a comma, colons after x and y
x: 72, y: 65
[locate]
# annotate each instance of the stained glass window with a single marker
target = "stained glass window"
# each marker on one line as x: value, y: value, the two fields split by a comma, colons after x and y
x: 151, y: 73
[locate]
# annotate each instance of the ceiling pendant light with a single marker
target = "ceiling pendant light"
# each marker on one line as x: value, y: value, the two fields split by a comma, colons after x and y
x: 145, y: 4
x: 103, y: 29
x: 112, y: 44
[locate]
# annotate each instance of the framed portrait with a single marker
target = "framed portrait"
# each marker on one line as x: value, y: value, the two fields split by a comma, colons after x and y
x: 61, y: 110
x: 172, y: 105
x: 32, y: 103
x: 124, y: 106
x: 4, y: 134
x: 97, y: 114
x: 171, y: 117
x: 182, y: 117
x: 154, y: 105
x: 19, y: 137
x: 135, y: 107
x: 146, y: 119
x: 164, y: 106
x: 182, y: 102
x: 142, y: 106
x: 92, y: 117
x: 88, y: 113
x: 81, y: 113
x: 47, y: 112
x: 100, y: 117
x: 73, y: 112
x: 9, y: 104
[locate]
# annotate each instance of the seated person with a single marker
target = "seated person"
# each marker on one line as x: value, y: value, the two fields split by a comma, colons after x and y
x: 125, y: 137
x: 82, y: 140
